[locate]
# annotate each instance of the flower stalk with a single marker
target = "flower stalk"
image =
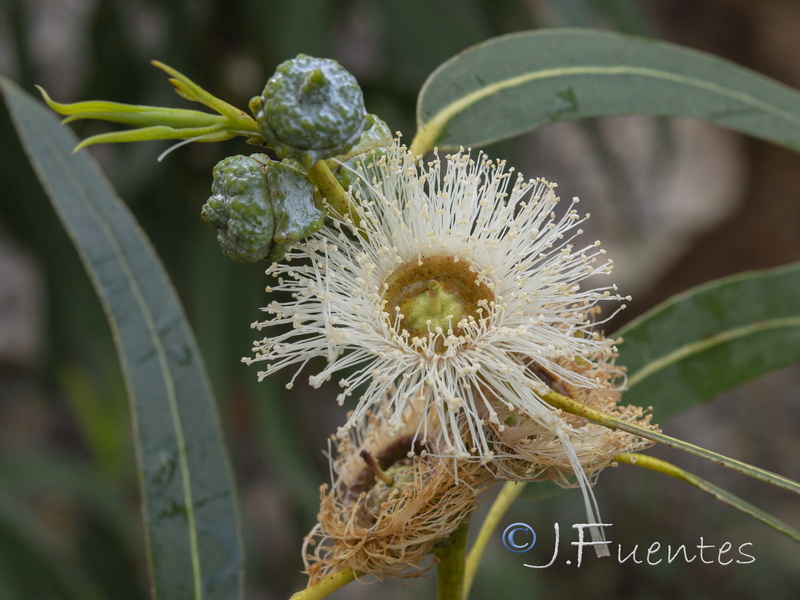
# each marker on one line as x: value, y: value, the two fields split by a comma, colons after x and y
x: 324, y: 180
x: 510, y: 492
x: 326, y: 586
x: 451, y: 554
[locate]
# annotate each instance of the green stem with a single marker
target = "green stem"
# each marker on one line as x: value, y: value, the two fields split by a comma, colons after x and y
x: 662, y: 466
x: 326, y: 586
x: 510, y: 492
x: 322, y: 177
x: 576, y: 408
x: 451, y: 564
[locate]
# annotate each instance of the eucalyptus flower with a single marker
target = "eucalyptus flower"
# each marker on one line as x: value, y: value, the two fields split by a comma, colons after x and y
x: 458, y: 290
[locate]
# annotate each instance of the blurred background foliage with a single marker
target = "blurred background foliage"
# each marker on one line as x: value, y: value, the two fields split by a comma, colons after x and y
x: 676, y: 203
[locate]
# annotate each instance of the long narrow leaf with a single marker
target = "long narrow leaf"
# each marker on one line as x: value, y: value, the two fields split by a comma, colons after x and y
x: 191, y: 518
x: 711, y: 339
x: 519, y: 82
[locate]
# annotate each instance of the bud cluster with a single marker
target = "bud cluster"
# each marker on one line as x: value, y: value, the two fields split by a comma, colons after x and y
x: 310, y: 110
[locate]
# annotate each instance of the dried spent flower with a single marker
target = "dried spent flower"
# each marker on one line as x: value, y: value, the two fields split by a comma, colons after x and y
x: 525, y: 450
x: 388, y: 524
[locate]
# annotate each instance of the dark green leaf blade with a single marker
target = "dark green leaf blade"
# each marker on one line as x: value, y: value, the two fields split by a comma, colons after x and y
x: 190, y: 511
x: 516, y: 83
x: 711, y: 339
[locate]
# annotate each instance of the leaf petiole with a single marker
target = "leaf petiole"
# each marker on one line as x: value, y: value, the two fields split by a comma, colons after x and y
x: 662, y: 466
x: 576, y: 408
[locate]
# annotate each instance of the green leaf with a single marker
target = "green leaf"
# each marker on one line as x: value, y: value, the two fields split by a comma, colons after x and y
x: 516, y: 83
x: 711, y: 339
x: 158, y: 122
x: 129, y: 114
x: 190, y: 512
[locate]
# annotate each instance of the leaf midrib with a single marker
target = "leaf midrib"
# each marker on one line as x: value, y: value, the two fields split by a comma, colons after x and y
x: 699, y: 346
x: 429, y: 132
x: 141, y: 302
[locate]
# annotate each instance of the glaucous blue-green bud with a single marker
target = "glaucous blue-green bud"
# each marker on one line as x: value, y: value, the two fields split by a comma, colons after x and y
x: 376, y: 135
x: 296, y: 216
x: 240, y: 209
x: 311, y: 109
x: 260, y: 207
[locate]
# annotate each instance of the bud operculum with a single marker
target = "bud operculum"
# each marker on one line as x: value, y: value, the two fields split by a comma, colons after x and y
x: 311, y: 109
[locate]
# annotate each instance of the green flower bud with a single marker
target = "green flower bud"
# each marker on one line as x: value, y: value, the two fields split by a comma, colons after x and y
x: 239, y: 208
x: 310, y: 109
x: 260, y: 207
x: 296, y: 216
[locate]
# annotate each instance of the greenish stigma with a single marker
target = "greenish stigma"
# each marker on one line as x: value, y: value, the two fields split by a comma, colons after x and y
x: 435, y: 294
x: 432, y: 308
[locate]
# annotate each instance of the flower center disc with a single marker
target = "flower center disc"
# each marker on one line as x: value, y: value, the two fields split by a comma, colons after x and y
x: 436, y: 292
